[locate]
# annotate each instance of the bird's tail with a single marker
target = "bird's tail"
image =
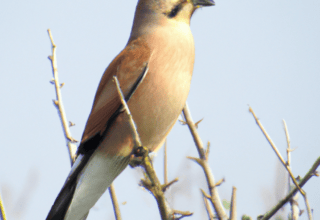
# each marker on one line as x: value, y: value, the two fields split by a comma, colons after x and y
x: 89, y: 178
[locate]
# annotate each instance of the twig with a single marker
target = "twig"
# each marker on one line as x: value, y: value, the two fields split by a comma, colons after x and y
x: 167, y: 185
x: 115, y: 204
x: 2, y: 211
x: 152, y: 182
x: 59, y: 105
x: 194, y: 132
x: 282, y: 202
x: 181, y: 213
x: 208, y: 208
x: 233, y: 208
x: 276, y: 151
x: 308, y: 206
x: 134, y: 130
x: 70, y: 141
x: 202, y: 161
x: 294, y: 199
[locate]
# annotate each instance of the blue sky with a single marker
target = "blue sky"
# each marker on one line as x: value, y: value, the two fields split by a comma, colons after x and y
x: 259, y: 53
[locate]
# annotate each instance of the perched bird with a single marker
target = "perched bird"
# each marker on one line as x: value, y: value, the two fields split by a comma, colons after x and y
x: 154, y: 71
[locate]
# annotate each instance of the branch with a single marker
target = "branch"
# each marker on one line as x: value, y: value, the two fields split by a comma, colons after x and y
x: 294, y: 199
x: 208, y: 208
x: 151, y: 182
x: 115, y: 204
x: 283, y: 162
x: 310, y: 173
x: 233, y: 208
x: 59, y: 105
x: 276, y: 151
x: 70, y: 141
x: 203, y: 162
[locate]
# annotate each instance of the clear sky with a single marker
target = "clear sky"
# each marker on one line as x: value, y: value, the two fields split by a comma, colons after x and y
x: 259, y: 53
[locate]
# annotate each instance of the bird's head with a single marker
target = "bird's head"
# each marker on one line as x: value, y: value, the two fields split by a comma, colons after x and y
x: 151, y: 13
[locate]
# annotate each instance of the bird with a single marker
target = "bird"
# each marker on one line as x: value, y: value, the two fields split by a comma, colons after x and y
x: 154, y: 71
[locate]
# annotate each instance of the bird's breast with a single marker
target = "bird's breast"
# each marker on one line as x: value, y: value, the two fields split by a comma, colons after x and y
x: 160, y: 98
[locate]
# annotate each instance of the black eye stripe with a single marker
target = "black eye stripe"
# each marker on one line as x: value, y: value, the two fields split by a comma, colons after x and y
x: 175, y: 11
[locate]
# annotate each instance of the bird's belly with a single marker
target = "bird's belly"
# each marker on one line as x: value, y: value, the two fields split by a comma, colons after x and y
x: 156, y: 106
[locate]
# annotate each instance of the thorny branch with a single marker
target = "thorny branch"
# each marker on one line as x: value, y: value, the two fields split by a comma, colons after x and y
x: 70, y: 141
x: 286, y: 165
x: 203, y: 162
x: 59, y: 104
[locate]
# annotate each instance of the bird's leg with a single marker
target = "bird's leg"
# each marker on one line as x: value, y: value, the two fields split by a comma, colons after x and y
x: 137, y: 156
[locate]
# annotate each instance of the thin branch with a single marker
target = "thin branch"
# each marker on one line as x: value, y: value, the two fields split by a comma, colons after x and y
x: 308, y: 206
x: 233, y: 208
x: 288, y: 144
x: 282, y: 202
x: 181, y: 213
x: 167, y: 185
x: 151, y: 182
x: 115, y: 204
x: 276, y: 150
x: 214, y: 196
x: 2, y: 211
x: 65, y: 125
x: 134, y: 130
x: 59, y: 104
x: 208, y: 208
x: 294, y: 199
x: 194, y: 132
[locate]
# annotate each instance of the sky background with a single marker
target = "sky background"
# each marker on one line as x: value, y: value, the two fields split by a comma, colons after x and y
x: 259, y: 53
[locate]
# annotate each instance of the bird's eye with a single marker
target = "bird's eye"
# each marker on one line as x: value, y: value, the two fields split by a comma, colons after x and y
x: 175, y: 11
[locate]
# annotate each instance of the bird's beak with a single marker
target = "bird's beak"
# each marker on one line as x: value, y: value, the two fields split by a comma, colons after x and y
x: 203, y: 3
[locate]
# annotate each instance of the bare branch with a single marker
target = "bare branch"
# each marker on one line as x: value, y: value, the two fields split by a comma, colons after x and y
x: 182, y: 214
x: 308, y: 206
x: 194, y: 132
x: 134, y: 130
x: 208, y: 208
x: 276, y: 150
x: 198, y: 122
x: 167, y: 185
x: 294, y: 200
x: 233, y: 208
x: 202, y: 161
x: 151, y: 181
x: 282, y: 202
x: 115, y: 204
x: 59, y: 105
x: 70, y: 141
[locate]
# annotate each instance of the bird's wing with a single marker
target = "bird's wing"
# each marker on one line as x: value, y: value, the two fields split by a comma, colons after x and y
x: 130, y: 67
